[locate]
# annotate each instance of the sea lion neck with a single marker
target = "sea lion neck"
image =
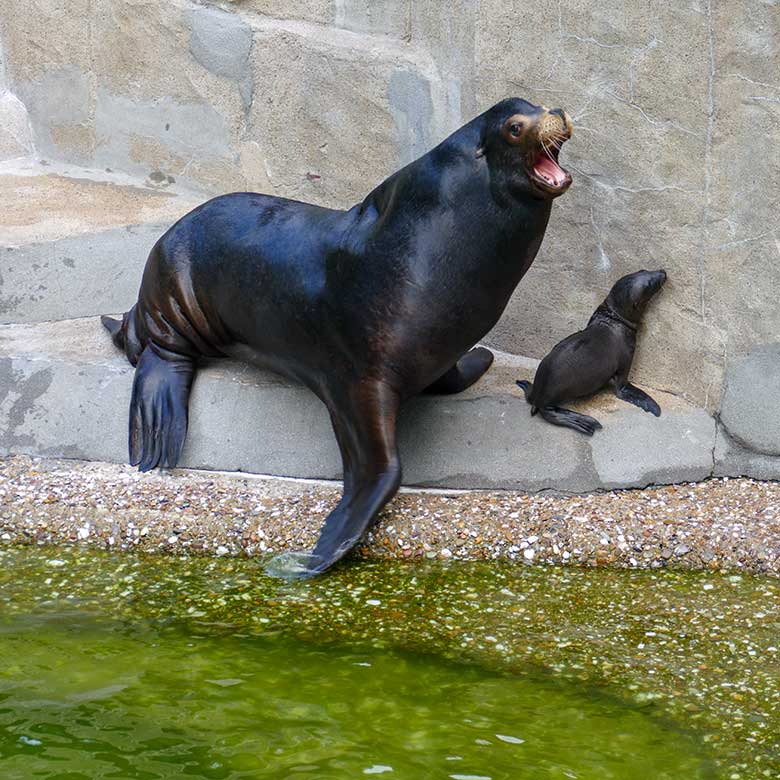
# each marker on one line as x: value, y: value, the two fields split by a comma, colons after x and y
x: 454, y: 176
x: 608, y: 312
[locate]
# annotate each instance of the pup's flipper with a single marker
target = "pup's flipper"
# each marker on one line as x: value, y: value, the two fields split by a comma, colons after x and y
x: 569, y: 419
x: 527, y: 388
x: 158, y: 408
x: 640, y: 398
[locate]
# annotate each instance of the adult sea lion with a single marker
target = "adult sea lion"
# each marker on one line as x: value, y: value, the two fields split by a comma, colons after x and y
x: 590, y: 359
x: 366, y: 307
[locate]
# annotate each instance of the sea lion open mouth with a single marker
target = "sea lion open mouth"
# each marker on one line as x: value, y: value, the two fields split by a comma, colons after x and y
x: 544, y: 171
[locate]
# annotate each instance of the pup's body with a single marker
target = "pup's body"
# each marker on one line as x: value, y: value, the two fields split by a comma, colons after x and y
x: 589, y: 360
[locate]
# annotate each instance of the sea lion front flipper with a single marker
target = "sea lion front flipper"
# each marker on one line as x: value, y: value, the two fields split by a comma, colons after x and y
x: 569, y: 419
x: 158, y: 408
x: 463, y: 374
x: 632, y: 394
x: 365, y: 427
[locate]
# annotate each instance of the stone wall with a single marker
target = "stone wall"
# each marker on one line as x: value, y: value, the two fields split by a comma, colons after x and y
x: 676, y: 150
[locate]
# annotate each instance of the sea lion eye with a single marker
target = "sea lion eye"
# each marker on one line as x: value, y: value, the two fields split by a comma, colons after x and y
x: 513, y: 128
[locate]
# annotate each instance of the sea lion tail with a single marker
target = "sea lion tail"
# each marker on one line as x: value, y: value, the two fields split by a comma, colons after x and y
x: 124, y: 335
x: 159, y: 408
x: 114, y: 327
x: 526, y: 387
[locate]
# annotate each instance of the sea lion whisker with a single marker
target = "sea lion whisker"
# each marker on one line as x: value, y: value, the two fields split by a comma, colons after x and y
x: 548, y: 153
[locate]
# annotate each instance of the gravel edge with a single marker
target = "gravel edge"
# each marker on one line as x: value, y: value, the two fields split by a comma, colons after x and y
x: 720, y: 524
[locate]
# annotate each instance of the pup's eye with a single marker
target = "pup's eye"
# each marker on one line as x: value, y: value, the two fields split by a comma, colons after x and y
x: 515, y: 129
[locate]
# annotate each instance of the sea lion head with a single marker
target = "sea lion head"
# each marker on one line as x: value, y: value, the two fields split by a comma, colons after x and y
x: 630, y: 294
x: 521, y: 143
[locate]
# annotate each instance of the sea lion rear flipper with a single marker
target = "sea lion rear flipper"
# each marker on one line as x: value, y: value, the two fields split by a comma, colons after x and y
x: 158, y: 408
x: 527, y: 388
x: 463, y: 374
x: 632, y: 394
x: 569, y: 419
x: 365, y: 430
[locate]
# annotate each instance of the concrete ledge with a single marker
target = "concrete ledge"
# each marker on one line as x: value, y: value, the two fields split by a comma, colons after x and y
x: 86, y: 256
x: 64, y: 392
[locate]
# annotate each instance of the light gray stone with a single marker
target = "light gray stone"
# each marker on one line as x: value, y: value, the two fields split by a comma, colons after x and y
x: 78, y: 276
x: 490, y: 441
x: 15, y: 132
x: 221, y: 42
x: 636, y: 449
x: 750, y: 409
x: 734, y: 460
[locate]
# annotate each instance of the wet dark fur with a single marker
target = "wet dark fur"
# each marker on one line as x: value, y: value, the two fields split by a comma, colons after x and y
x: 589, y: 360
x: 366, y: 307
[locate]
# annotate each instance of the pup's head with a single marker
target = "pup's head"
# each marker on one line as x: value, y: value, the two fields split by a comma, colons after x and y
x: 630, y: 294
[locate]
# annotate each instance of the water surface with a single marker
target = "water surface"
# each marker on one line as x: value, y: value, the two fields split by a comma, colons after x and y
x: 152, y: 667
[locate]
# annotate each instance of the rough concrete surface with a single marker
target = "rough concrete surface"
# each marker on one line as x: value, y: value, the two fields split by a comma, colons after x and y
x: 66, y: 390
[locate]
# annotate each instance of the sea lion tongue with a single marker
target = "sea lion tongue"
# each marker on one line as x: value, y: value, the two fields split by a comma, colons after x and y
x: 549, y: 170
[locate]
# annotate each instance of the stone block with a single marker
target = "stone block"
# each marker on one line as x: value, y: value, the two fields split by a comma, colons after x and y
x: 490, y: 441
x: 64, y: 392
x: 79, y: 276
x: 71, y: 246
x: 750, y: 408
x: 337, y: 117
x: 636, y: 449
x: 734, y: 460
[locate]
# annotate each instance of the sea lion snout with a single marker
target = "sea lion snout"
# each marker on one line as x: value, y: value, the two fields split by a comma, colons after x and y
x: 554, y: 125
x: 656, y: 280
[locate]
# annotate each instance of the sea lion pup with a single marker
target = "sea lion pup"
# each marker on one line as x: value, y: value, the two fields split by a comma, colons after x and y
x: 366, y: 307
x: 590, y: 359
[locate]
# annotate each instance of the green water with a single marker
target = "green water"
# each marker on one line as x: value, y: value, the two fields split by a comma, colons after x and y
x: 144, y: 667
